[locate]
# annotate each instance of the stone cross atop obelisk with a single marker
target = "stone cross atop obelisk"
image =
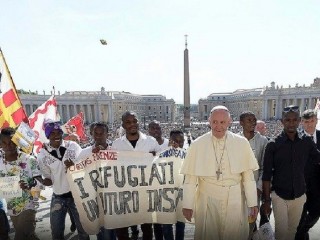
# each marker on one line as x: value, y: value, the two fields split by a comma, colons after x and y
x: 186, y: 102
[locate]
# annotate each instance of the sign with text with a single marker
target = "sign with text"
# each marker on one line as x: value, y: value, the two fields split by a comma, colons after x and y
x: 121, y: 189
x: 10, y: 187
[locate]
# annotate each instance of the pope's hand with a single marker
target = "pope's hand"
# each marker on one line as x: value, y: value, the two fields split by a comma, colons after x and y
x: 187, y: 213
x: 254, y: 212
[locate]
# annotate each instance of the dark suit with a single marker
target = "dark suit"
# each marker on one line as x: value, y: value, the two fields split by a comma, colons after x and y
x: 311, y: 209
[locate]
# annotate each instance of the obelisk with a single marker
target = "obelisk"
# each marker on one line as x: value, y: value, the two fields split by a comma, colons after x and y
x: 186, y: 102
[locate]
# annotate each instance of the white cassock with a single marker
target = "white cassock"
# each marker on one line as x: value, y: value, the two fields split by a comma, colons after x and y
x: 220, y: 204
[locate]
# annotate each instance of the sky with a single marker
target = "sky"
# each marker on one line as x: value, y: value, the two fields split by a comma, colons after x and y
x: 233, y: 44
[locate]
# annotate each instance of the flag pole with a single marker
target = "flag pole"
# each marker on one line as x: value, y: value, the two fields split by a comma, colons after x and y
x: 13, y: 85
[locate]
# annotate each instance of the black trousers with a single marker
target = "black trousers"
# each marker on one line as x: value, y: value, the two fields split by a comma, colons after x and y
x: 123, y: 233
x: 307, y: 221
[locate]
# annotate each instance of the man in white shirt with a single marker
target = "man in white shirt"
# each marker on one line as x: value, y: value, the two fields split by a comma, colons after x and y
x: 248, y: 122
x: 155, y: 131
x: 53, y: 158
x: 134, y: 140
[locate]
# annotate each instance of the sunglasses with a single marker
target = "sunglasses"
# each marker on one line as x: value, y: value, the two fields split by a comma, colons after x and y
x: 53, y: 124
x: 291, y: 109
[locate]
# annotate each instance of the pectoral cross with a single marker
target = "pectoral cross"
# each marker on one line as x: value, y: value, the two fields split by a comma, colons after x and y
x: 218, y: 172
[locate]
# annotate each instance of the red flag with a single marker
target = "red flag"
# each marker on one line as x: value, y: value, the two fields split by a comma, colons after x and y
x: 48, y: 110
x: 11, y: 110
x: 75, y: 125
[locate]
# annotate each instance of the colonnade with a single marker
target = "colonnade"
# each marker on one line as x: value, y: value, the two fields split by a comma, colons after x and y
x: 273, y: 107
x: 91, y: 112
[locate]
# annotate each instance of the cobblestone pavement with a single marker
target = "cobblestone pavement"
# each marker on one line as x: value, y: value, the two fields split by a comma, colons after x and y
x: 43, y: 225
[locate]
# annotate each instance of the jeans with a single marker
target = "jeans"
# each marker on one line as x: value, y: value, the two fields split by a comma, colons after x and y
x: 168, y: 231
x: 60, y: 205
x: 157, y: 230
x: 106, y: 234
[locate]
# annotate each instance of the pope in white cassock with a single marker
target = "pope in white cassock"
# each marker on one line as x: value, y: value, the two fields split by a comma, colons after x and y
x: 219, y: 187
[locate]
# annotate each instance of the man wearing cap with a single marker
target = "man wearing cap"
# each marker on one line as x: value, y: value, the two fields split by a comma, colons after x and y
x: 219, y: 186
x: 311, y: 209
x: 53, y: 158
x: 284, y: 162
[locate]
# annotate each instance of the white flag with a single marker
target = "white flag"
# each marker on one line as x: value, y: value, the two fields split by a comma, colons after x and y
x: 47, y: 110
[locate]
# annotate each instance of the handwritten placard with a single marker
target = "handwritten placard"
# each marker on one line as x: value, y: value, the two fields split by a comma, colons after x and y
x: 9, y: 187
x: 120, y: 189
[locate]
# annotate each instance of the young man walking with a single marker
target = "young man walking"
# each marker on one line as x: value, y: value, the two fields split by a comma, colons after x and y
x: 284, y: 161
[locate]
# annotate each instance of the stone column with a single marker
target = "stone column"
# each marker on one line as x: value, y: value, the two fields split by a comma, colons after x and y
x: 98, y: 114
x: 309, y: 102
x: 186, y: 101
x: 86, y: 113
x: 68, y: 112
x: 110, y: 113
x: 265, y: 109
x: 278, y: 108
x: 303, y: 104
x: 64, y: 112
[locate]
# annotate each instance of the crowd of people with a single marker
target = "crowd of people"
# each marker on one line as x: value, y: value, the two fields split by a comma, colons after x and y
x: 233, y: 172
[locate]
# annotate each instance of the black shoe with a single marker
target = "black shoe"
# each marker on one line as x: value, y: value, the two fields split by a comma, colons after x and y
x: 73, y: 227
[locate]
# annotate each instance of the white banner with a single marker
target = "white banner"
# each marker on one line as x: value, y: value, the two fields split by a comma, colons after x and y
x: 121, y: 189
x: 10, y: 187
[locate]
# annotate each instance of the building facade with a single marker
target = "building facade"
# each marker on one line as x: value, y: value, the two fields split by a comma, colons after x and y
x: 266, y: 103
x: 104, y: 105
